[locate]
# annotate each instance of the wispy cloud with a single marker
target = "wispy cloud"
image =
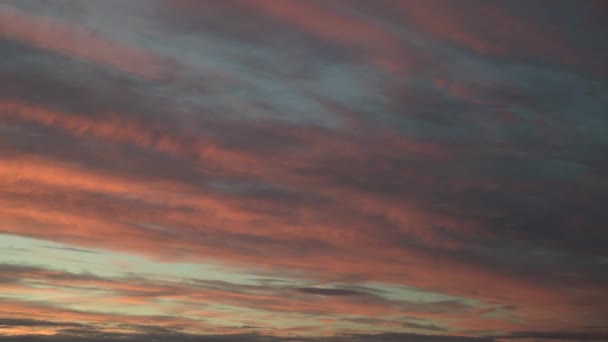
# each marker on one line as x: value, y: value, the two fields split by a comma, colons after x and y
x: 361, y: 170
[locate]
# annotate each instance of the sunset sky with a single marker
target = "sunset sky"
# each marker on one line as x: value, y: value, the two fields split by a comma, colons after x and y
x: 303, y: 170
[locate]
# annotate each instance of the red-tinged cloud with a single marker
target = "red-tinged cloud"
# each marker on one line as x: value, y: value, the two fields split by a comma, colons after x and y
x: 336, y: 24
x: 81, y: 224
x: 80, y: 43
x: 266, y: 299
x: 463, y: 197
x: 328, y: 22
x: 113, y: 128
x: 497, y: 29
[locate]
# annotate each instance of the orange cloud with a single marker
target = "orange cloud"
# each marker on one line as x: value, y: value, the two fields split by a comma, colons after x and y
x: 186, y: 210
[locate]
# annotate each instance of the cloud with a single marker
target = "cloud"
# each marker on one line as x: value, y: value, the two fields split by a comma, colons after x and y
x: 239, y: 337
x: 557, y: 335
x: 144, y: 291
x: 13, y: 322
x: 72, y: 249
x: 353, y: 151
x: 429, y: 327
x: 329, y: 292
x: 496, y: 29
x: 50, y: 34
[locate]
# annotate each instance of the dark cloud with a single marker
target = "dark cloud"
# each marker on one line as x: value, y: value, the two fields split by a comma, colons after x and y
x: 387, y: 322
x: 73, y: 336
x: 558, y: 335
x: 395, y: 337
x: 329, y: 292
x: 22, y: 322
x: 429, y: 327
x: 80, y: 250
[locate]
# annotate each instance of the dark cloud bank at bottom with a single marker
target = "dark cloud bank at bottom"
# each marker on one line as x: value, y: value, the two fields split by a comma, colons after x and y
x: 77, y: 335
x: 109, y: 337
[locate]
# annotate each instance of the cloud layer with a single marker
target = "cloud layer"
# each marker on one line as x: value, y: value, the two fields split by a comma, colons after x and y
x: 284, y: 170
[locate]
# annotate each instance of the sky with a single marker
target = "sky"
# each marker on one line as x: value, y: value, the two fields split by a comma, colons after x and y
x: 303, y: 170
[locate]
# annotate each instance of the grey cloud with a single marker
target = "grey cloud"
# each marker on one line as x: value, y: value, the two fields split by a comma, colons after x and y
x: 329, y: 292
x: 98, y: 336
x: 557, y: 335
x: 22, y: 322
x: 72, y: 249
x: 410, y: 325
x: 429, y: 327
